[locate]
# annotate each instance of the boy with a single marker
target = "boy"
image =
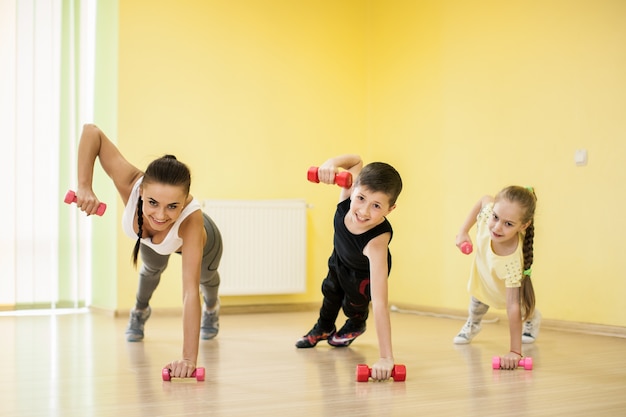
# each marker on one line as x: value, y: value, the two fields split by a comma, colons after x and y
x: 360, y: 263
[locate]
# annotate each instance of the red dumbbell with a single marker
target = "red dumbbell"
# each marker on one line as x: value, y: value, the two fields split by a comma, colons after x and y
x: 198, y: 373
x: 526, y: 363
x: 70, y: 197
x: 466, y: 248
x: 342, y: 179
x: 364, y: 372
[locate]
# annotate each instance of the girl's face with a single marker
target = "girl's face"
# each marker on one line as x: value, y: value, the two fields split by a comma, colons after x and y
x: 506, y: 221
x: 367, y: 208
x: 162, y: 204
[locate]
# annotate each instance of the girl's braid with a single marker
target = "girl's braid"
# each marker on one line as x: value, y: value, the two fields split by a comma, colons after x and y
x: 139, y: 229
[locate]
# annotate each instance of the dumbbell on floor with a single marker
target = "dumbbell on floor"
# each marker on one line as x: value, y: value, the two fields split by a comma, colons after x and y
x: 198, y: 373
x: 526, y: 363
x: 342, y: 179
x: 364, y: 372
x: 70, y: 197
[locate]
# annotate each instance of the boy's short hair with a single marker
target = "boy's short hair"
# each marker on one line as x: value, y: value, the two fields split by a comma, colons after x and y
x: 381, y: 177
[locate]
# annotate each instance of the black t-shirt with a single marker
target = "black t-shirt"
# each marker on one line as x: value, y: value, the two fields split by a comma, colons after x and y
x: 349, y: 247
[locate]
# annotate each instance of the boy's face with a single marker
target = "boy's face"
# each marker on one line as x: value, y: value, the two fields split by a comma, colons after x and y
x: 367, y: 208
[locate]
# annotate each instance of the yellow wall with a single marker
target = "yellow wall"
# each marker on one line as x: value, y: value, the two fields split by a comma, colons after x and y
x: 462, y: 98
x: 468, y: 97
x: 249, y: 94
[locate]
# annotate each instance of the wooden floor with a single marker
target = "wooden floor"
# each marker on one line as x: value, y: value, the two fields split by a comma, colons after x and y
x: 81, y: 365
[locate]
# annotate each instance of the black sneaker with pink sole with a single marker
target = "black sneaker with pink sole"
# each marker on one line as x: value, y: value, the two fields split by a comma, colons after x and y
x: 316, y: 334
x: 346, y: 335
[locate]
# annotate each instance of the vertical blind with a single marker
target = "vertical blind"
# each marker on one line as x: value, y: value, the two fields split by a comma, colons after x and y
x: 39, y: 39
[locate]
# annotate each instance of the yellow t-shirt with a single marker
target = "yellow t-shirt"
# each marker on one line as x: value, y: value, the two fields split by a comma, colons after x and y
x: 491, y: 274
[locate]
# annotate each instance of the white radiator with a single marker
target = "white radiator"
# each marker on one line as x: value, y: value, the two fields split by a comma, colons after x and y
x: 264, y: 245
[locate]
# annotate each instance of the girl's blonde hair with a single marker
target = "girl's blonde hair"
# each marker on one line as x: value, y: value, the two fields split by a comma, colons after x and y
x: 526, y: 198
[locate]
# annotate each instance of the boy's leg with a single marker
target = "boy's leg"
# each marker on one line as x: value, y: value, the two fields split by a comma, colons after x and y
x: 325, y: 326
x: 470, y: 329
x: 152, y: 267
x: 356, y: 307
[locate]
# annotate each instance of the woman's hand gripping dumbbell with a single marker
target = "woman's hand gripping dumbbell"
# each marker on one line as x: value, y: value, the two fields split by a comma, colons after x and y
x: 198, y: 373
x: 70, y: 197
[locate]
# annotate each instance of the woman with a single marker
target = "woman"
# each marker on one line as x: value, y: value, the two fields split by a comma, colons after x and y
x: 164, y: 218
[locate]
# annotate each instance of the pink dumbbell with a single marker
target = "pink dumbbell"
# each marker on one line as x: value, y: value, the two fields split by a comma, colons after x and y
x: 198, y: 373
x: 526, y: 363
x: 466, y: 248
x: 70, y: 197
x: 342, y: 179
x: 364, y: 372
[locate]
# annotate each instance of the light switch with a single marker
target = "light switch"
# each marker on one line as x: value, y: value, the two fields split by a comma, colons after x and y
x: 580, y: 157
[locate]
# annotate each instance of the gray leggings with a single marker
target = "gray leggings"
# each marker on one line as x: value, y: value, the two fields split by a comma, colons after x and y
x: 153, y: 265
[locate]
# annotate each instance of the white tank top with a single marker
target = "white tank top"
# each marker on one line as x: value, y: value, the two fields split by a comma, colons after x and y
x: 172, y: 241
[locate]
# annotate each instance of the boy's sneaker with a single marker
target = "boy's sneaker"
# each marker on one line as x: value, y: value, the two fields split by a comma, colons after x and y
x: 210, y: 324
x: 346, y: 335
x: 138, y: 318
x: 531, y: 328
x: 467, y: 333
x: 313, y: 336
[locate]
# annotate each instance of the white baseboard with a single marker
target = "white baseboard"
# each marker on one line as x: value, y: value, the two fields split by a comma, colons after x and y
x: 561, y: 325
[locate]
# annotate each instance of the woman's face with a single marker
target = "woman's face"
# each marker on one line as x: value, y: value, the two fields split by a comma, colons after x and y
x: 162, y: 204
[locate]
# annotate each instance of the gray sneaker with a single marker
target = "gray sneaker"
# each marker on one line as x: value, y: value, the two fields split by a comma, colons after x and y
x: 210, y: 324
x: 138, y: 318
x: 467, y: 333
x: 531, y: 328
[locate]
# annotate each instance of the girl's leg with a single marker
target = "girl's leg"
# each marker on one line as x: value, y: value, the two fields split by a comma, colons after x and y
x: 211, y: 314
x: 210, y: 280
x: 152, y: 267
x: 531, y: 328
x: 470, y: 329
x: 477, y: 310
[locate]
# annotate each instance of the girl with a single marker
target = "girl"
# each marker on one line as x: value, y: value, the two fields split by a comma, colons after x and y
x: 500, y: 276
x: 164, y: 218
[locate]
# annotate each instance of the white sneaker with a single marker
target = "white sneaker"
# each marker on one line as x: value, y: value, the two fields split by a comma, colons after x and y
x: 467, y: 333
x: 531, y: 328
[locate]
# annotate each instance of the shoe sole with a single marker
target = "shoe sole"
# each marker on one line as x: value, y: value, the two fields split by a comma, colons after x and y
x: 208, y: 336
x: 134, y: 338
x: 310, y: 344
x: 342, y: 342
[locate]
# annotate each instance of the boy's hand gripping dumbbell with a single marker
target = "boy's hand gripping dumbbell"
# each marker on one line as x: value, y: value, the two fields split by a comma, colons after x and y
x: 364, y: 372
x: 342, y: 179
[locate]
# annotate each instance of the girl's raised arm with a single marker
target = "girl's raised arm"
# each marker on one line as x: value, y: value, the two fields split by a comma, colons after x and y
x: 94, y: 144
